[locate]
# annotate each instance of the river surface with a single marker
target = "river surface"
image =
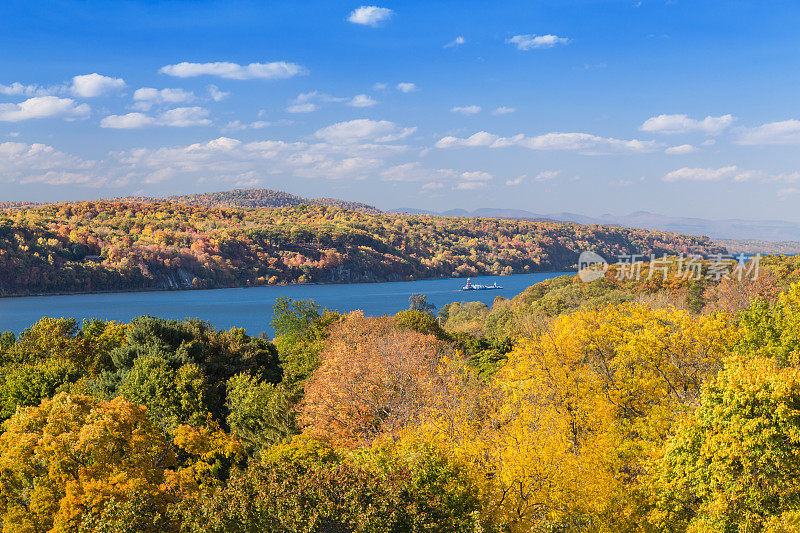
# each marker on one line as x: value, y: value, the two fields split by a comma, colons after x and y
x: 251, y: 307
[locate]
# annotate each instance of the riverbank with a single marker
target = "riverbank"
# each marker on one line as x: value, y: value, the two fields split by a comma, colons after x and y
x: 251, y: 307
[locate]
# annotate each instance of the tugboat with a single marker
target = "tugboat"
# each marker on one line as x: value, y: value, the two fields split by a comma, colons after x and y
x: 476, y: 287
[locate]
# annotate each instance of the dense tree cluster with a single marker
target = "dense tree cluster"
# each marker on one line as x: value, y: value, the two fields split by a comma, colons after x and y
x: 615, y: 405
x: 255, y: 198
x: 95, y: 246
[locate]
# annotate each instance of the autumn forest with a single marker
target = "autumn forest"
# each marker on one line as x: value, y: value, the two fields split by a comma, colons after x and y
x: 668, y: 401
x: 140, y: 243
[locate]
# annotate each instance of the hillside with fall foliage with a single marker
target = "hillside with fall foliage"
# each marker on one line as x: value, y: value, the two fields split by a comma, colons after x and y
x: 574, y: 407
x: 104, y: 245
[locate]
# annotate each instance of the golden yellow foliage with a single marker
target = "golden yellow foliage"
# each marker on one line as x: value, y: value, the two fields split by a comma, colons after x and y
x: 563, y: 431
x: 66, y: 458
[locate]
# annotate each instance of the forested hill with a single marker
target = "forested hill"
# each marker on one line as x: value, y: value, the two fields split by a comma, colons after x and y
x: 97, y: 246
x: 256, y: 198
x: 235, y: 198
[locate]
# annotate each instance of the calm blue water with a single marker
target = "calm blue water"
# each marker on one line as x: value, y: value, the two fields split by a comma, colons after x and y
x: 251, y: 307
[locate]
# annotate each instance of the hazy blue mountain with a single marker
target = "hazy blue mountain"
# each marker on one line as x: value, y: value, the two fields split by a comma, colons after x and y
x: 739, y: 229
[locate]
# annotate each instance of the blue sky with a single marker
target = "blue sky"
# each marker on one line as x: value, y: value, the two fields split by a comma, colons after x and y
x: 677, y: 107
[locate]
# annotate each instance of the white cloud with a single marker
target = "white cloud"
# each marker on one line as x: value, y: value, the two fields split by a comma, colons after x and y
x: 682, y: 149
x: 179, y: 117
x: 237, y: 125
x: 129, y: 121
x: 790, y: 191
x: 379, y: 86
x: 476, y: 175
x: 43, y: 107
x: 712, y: 174
x: 547, y: 175
x: 467, y: 110
x: 470, y: 185
x: 163, y: 96
x: 536, y: 42
x: 475, y: 179
x: 310, y: 101
x: 230, y: 160
x: 93, y: 85
x: 369, y: 15
x: 307, y: 107
x: 458, y: 41
x: 277, y: 70
x: 40, y: 163
x: 216, y: 94
x: 583, y: 143
x: 17, y: 89
x: 673, y: 124
x: 352, y: 131
x: 783, y: 132
x: 432, y: 186
x: 503, y: 110
x: 413, y: 171
x: 362, y: 100
x: 406, y: 87
x: 183, y: 117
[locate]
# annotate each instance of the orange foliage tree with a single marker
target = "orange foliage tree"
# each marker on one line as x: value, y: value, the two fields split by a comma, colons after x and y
x: 375, y: 379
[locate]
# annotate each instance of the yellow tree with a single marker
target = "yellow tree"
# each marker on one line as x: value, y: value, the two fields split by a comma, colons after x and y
x: 66, y: 459
x: 564, y: 432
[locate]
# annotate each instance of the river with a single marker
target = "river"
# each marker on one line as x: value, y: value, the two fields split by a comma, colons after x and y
x: 251, y: 307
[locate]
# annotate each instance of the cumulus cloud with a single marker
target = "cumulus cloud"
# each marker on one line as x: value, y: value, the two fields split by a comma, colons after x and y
x: 43, y: 107
x: 369, y: 15
x: 362, y: 100
x: 231, y: 160
x: 179, y: 117
x: 583, y: 143
x: 276, y: 70
x: 379, y: 131
x: 467, y: 110
x: 406, y: 87
x: 40, y: 163
x: 775, y: 133
x: 93, y: 85
x: 536, y: 42
x: 682, y: 149
x: 216, y: 94
x: 503, y: 110
x: 458, y: 41
x: 673, y: 124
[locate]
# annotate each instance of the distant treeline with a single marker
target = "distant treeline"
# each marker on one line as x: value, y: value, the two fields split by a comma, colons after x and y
x: 98, y: 246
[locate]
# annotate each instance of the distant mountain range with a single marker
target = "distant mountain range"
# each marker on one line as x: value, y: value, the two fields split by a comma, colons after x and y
x: 738, y: 229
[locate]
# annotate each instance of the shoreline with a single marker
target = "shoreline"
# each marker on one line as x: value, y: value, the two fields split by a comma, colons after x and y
x: 182, y: 289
